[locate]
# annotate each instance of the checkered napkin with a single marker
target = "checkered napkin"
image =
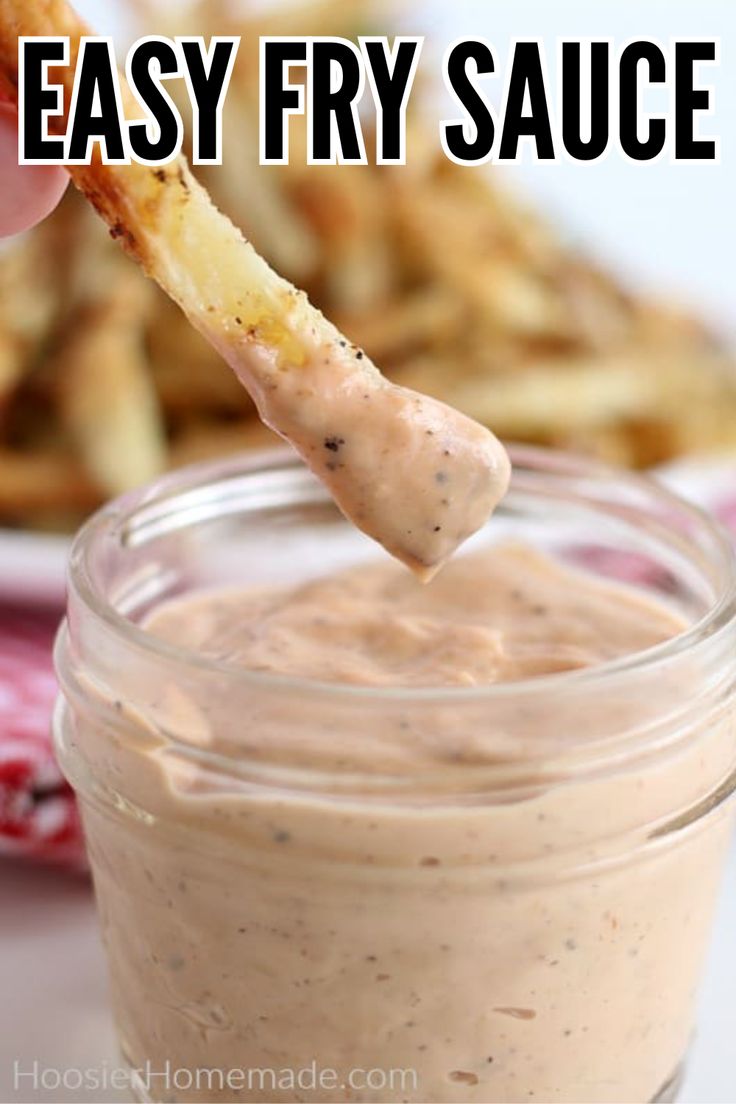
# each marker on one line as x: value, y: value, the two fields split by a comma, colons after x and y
x: 38, y: 816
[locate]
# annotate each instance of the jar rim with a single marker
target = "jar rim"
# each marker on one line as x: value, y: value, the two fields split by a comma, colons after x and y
x: 714, y: 621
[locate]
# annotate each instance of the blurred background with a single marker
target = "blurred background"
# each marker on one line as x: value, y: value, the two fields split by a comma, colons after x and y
x: 590, y: 307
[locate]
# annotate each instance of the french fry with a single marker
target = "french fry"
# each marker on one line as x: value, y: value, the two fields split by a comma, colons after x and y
x: 43, y: 481
x: 306, y: 381
x: 199, y: 441
x: 349, y: 212
x: 107, y: 396
x: 255, y: 198
x: 28, y: 303
x: 429, y: 318
x: 186, y: 371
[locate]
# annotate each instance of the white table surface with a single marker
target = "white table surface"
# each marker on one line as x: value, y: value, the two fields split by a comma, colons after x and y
x: 53, y: 1005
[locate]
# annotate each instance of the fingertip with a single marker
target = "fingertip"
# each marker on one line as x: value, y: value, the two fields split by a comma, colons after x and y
x: 28, y: 193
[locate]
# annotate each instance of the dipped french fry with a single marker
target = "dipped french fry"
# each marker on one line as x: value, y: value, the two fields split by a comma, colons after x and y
x: 309, y: 384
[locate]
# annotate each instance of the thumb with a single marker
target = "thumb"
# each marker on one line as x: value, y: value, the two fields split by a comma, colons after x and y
x: 28, y: 193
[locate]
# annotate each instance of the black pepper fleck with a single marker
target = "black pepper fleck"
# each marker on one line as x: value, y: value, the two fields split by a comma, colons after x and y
x: 464, y: 1077
x: 334, y: 443
x: 119, y: 230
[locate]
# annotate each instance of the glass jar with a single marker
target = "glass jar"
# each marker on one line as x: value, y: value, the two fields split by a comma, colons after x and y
x: 293, y: 909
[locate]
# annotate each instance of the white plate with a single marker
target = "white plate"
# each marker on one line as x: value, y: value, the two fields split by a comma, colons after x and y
x: 33, y: 567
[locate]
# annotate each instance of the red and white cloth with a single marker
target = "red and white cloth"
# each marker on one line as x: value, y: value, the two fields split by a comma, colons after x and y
x: 38, y: 815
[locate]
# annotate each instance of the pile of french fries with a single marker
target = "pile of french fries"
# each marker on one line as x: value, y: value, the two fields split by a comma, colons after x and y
x: 450, y: 284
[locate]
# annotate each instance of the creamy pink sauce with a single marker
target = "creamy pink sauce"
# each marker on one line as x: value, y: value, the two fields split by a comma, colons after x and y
x: 416, y: 475
x: 527, y: 943
x: 494, y: 616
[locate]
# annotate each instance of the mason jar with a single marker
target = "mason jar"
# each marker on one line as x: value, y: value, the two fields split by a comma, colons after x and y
x: 294, y: 908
